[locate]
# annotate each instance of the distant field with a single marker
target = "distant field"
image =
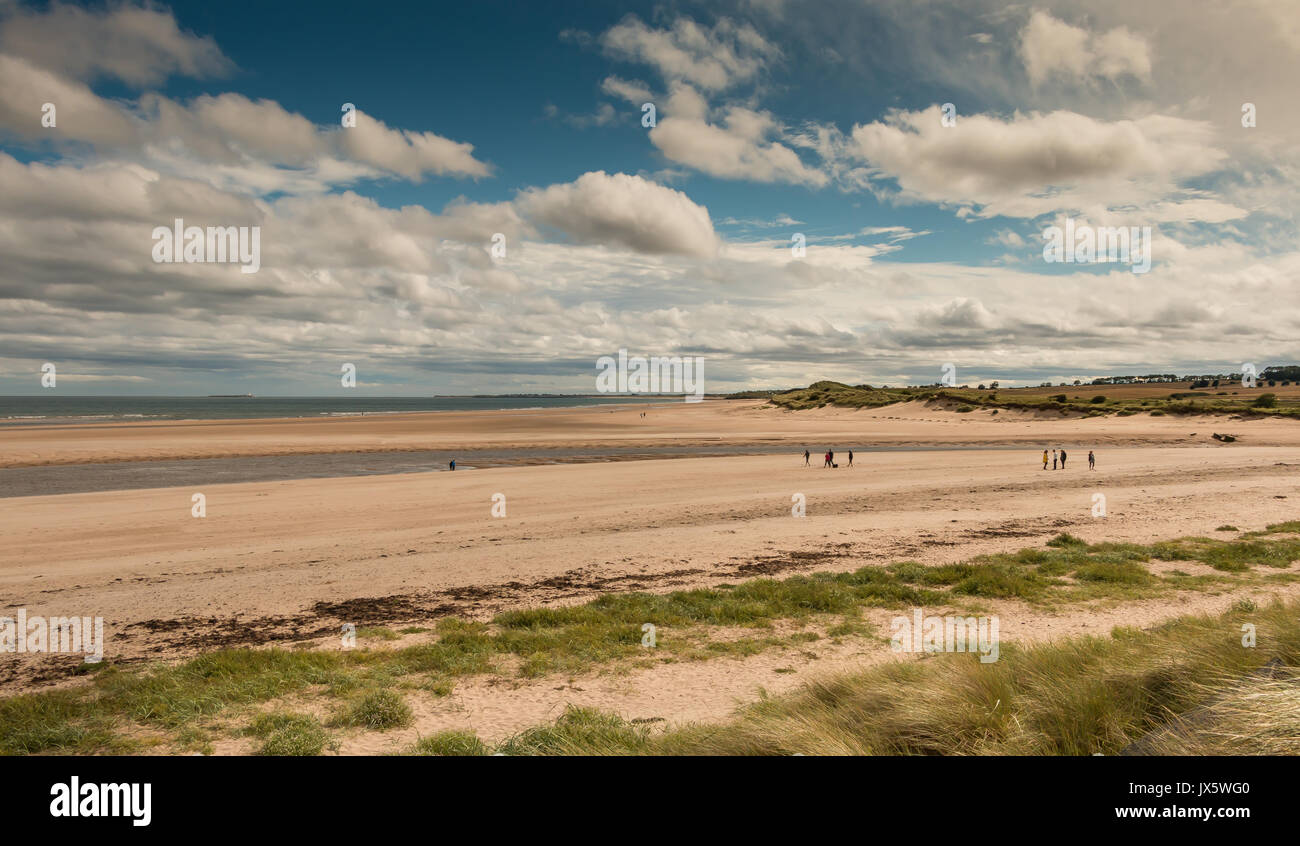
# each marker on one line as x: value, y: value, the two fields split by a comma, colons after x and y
x: 1154, y: 398
x: 1232, y: 390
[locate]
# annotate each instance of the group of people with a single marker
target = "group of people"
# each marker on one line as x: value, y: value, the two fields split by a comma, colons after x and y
x: 1059, y: 455
x: 1057, y: 458
x: 830, y: 458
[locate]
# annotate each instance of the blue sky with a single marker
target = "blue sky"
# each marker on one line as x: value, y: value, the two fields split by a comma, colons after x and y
x: 924, y: 236
x: 410, y: 67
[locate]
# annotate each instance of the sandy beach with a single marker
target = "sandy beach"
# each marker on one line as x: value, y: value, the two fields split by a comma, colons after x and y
x: 716, y: 423
x: 286, y: 561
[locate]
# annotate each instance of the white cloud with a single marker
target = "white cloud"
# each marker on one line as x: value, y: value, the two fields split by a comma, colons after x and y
x: 47, y: 56
x: 1008, y: 238
x: 1050, y: 46
x: 712, y: 58
x: 893, y: 233
x: 139, y: 45
x: 79, y: 113
x: 745, y: 145
x: 624, y: 210
x: 254, y: 143
x: 1035, y: 164
x: 405, y: 291
x: 635, y: 93
x: 957, y: 313
x: 410, y: 154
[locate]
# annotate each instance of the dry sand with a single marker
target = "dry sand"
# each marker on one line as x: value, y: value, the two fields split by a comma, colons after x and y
x: 281, y: 561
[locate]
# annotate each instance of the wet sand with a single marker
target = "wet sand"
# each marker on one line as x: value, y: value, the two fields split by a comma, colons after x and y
x: 714, y: 423
x: 52, y: 479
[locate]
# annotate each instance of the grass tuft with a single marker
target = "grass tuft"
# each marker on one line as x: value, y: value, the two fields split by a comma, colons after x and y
x: 451, y: 744
x: 285, y: 734
x: 378, y: 710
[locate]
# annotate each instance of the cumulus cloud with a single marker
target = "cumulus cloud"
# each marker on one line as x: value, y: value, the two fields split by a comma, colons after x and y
x: 139, y: 45
x: 79, y: 113
x: 733, y: 141
x: 1050, y: 46
x: 411, y: 294
x: 959, y: 313
x: 624, y: 210
x: 1033, y: 164
x: 712, y: 58
x: 248, y: 140
x: 49, y: 56
x: 229, y: 127
x: 743, y: 144
x: 410, y: 154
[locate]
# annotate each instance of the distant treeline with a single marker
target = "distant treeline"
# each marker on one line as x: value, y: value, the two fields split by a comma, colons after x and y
x: 1290, y: 372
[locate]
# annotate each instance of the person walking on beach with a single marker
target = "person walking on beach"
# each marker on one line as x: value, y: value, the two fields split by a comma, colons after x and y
x: 1092, y: 461
x: 1044, y: 459
x: 1062, y: 459
x: 806, y: 455
x: 452, y: 465
x: 850, y: 458
x: 828, y: 460
x: 1054, y: 459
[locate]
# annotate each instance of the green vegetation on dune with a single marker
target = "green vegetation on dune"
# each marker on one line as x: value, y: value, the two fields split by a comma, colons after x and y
x: 1125, y: 693
x: 460, y: 744
x: 187, y: 701
x: 965, y: 400
x: 286, y: 734
x: 819, y: 394
x: 377, y: 710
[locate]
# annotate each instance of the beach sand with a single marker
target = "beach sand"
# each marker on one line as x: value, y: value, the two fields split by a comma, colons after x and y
x: 721, y: 422
x: 275, y: 562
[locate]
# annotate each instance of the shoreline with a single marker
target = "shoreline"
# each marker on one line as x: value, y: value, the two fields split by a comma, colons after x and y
x: 727, y: 425
x: 46, y: 420
x: 140, y: 474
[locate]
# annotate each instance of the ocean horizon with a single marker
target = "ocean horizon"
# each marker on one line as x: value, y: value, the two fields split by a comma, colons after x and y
x: 34, y: 409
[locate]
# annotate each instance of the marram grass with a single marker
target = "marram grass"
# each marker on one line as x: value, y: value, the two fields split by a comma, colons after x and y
x: 196, y: 697
x: 1078, y: 696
